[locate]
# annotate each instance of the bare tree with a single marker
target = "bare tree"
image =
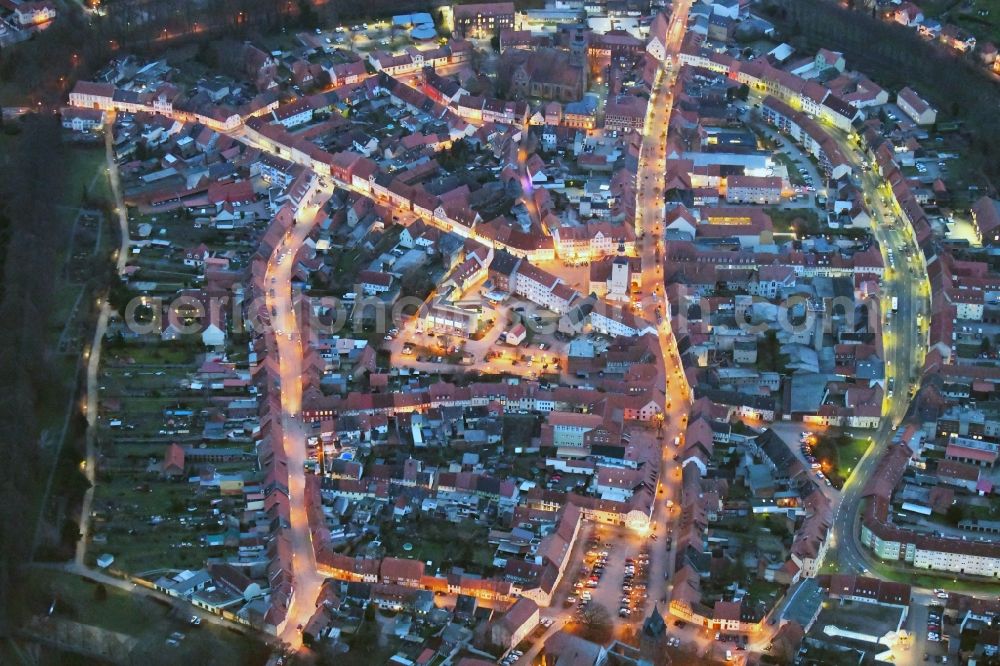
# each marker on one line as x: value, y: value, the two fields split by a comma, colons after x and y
x: 595, y: 623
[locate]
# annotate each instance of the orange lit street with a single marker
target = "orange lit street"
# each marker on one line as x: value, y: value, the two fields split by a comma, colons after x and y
x: 286, y: 332
x: 531, y: 333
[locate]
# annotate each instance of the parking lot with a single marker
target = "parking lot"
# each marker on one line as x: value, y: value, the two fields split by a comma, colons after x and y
x: 806, y: 175
x: 925, y: 623
x: 614, y: 574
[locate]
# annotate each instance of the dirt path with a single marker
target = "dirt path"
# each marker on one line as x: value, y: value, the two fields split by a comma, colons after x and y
x: 94, y: 355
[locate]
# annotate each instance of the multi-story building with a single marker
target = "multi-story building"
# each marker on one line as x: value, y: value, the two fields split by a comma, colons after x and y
x: 920, y: 549
x: 502, y: 271
x: 90, y: 95
x: 514, y: 627
x: 542, y: 288
x: 571, y: 428
x: 753, y: 189
x: 484, y: 19
x: 619, y: 322
x: 580, y: 115
x: 986, y: 220
x: 915, y: 107
x: 593, y: 240
x: 972, y: 450
x: 809, y: 134
x: 625, y: 113
x: 34, y: 13
x: 967, y: 421
x: 613, y: 278
x: 82, y: 120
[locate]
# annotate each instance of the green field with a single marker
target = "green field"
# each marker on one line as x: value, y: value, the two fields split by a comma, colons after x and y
x: 85, y: 169
x: 802, y: 220
x: 760, y: 589
x: 985, y: 28
x: 152, y: 354
x: 125, y: 507
x: 851, y: 453
x: 839, y: 454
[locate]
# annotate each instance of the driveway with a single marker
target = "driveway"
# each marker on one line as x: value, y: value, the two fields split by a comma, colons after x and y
x: 801, y: 159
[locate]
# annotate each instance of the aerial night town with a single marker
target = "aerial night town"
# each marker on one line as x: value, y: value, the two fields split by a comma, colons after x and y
x: 531, y: 333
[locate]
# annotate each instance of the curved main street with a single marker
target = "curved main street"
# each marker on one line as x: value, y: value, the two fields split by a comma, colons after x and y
x: 904, y: 340
x: 281, y: 302
x: 649, y: 227
x: 904, y: 344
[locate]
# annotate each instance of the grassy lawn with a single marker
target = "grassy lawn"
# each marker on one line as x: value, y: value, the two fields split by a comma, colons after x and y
x: 116, y: 613
x: 442, y: 543
x: 63, y: 300
x: 172, y: 354
x: 763, y: 590
x: 803, y: 220
x: 793, y: 169
x: 968, y: 350
x: 985, y: 28
x: 348, y: 261
x: 84, y: 164
x: 82, y: 167
x: 839, y: 454
x: 53, y: 411
x: 851, y: 453
x: 931, y: 580
x: 10, y: 95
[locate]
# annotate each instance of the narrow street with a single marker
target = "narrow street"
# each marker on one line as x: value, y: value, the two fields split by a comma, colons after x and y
x: 281, y: 300
x: 116, y: 191
x: 649, y: 223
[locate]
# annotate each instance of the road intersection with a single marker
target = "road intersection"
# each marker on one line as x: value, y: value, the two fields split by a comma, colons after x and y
x: 904, y: 344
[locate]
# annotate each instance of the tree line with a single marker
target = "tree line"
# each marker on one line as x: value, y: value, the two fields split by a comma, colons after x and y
x: 31, y: 178
x: 895, y: 56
